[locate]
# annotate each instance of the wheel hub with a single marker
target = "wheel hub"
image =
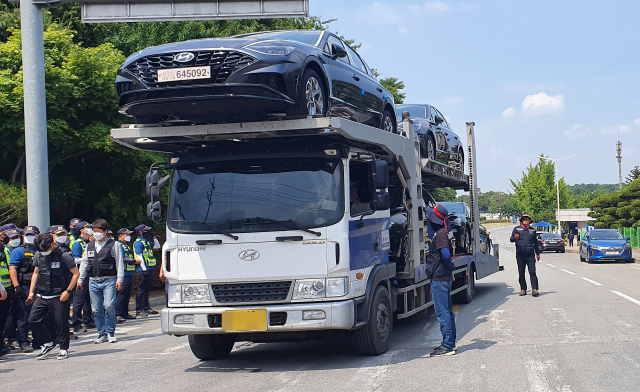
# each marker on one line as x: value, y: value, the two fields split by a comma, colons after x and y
x: 388, y: 124
x: 383, y: 320
x: 314, y: 97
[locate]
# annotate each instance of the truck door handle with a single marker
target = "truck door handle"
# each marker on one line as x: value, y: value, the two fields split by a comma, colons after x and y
x: 379, y: 89
x: 290, y: 238
x: 356, y: 78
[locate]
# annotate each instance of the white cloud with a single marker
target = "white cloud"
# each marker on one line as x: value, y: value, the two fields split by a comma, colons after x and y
x: 615, y: 130
x: 436, y: 7
x: 464, y: 7
x: 496, y: 153
x: 637, y: 122
x: 541, y: 104
x: 509, y: 112
x: 577, y: 131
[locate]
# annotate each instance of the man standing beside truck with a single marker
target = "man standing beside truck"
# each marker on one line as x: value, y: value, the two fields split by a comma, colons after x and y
x: 527, y: 252
x: 439, y: 269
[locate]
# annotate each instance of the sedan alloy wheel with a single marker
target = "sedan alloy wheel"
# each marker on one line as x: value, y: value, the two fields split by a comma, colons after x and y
x: 314, y: 97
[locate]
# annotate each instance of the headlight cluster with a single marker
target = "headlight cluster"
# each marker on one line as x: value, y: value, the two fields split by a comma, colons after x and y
x: 271, y: 48
x: 320, y: 288
x: 595, y: 247
x: 627, y: 246
x: 189, y: 293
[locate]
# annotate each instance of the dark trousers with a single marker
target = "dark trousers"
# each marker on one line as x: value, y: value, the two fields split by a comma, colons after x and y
x: 527, y: 261
x: 5, y: 308
x: 82, y: 305
x: 123, y: 296
x: 144, y: 286
x: 16, y: 326
x: 570, y: 241
x: 60, y: 313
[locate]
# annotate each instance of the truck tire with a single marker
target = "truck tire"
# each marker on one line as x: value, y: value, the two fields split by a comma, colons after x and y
x: 374, y: 338
x: 210, y: 347
x: 466, y: 296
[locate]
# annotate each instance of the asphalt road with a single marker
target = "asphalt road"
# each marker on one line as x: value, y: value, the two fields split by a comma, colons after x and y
x: 581, y: 334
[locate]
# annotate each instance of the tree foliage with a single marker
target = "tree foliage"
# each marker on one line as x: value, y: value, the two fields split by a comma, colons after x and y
x: 634, y: 174
x: 619, y: 209
x: 535, y: 192
x: 443, y: 194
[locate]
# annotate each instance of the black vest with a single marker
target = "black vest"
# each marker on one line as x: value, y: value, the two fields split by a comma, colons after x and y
x: 101, y: 264
x: 436, y: 269
x: 53, y: 275
x: 25, y: 269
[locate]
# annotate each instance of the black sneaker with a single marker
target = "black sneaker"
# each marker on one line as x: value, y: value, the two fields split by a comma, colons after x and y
x: 64, y: 354
x: 101, y: 339
x: 142, y: 314
x: 128, y: 317
x: 45, y: 350
x: 120, y: 320
x: 90, y: 326
x: 151, y: 311
x: 5, y: 350
x: 441, y: 352
x: 455, y: 348
x: 26, y: 349
x: 79, y: 328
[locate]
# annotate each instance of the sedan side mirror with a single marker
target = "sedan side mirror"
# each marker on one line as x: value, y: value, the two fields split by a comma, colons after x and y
x: 439, y: 120
x: 628, y: 238
x: 338, y: 51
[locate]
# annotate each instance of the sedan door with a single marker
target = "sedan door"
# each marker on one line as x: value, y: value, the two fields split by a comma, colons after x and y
x: 371, y: 93
x: 346, y: 100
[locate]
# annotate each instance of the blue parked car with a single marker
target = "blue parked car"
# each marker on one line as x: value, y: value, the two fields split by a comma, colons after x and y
x: 604, y: 244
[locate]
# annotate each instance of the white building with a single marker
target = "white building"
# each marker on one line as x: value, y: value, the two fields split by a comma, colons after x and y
x: 574, y: 220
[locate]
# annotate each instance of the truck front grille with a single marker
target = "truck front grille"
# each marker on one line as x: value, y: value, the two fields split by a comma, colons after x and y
x: 251, y: 292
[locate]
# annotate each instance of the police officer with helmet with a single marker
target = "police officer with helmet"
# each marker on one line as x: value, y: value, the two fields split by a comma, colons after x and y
x: 123, y: 296
x: 143, y: 249
x: 21, y: 270
x: 527, y: 252
x: 54, y: 277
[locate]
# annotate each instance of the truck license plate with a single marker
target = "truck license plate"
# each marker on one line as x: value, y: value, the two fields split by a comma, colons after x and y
x: 613, y: 253
x: 187, y: 73
x: 244, y: 320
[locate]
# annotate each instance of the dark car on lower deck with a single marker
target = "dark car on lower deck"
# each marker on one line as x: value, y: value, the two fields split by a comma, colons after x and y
x: 253, y: 77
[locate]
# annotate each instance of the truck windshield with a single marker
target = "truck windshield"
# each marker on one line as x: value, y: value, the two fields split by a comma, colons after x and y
x: 256, y: 195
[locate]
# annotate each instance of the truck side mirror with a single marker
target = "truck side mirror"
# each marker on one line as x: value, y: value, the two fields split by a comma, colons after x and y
x: 153, y: 177
x: 383, y: 201
x: 154, y: 211
x: 382, y: 175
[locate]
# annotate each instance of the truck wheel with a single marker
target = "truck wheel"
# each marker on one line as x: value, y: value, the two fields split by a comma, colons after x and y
x: 210, y: 347
x: 374, y: 338
x: 466, y: 296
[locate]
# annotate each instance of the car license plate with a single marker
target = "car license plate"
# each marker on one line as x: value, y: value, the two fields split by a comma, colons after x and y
x: 613, y: 253
x: 188, y: 73
x: 244, y: 320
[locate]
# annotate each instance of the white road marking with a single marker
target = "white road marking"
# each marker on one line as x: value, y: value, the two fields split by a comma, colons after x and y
x: 175, y: 348
x: 591, y: 281
x: 551, y: 265
x: 369, y: 377
x: 635, y: 301
x: 126, y: 329
x: 569, y: 272
x: 539, y: 382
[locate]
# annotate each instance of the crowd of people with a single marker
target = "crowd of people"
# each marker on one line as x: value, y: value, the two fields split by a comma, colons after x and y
x: 42, y: 274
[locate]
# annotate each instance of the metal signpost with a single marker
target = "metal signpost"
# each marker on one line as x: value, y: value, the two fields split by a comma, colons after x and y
x: 35, y: 108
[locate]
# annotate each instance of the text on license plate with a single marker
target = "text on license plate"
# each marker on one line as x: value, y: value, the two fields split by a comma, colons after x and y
x: 188, y: 73
x: 613, y: 253
x: 244, y: 320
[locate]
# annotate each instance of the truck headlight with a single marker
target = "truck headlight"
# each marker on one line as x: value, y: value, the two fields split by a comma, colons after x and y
x: 195, y: 293
x: 336, y: 287
x: 174, y: 293
x: 309, y: 288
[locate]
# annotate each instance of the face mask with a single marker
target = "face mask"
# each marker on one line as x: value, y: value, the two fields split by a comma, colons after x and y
x: 127, y: 238
x: 98, y: 236
x: 47, y: 253
x: 61, y: 239
x: 14, y: 243
x: 29, y: 239
x: 90, y: 231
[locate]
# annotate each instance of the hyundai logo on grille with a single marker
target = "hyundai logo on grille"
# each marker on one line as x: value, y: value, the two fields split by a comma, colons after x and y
x: 249, y: 255
x: 183, y: 57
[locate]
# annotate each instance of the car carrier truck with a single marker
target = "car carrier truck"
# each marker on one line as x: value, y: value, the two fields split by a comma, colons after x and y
x: 280, y: 230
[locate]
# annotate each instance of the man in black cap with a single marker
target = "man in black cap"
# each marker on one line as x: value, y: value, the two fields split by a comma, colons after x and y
x: 527, y: 251
x: 73, y: 233
x: 61, y: 237
x: 143, y: 249
x: 82, y: 314
x: 123, y: 296
x: 439, y: 270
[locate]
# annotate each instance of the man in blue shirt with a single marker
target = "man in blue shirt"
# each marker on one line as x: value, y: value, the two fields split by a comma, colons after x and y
x: 21, y: 269
x: 143, y: 250
x: 123, y: 296
x: 82, y: 313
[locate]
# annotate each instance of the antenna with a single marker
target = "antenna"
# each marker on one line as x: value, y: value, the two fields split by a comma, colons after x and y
x: 619, y: 158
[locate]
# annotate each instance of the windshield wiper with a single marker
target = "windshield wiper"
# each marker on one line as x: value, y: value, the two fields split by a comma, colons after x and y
x: 210, y: 227
x: 290, y: 223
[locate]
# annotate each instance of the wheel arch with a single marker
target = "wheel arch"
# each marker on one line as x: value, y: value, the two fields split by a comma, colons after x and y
x: 392, y: 110
x: 314, y: 65
x: 380, y: 276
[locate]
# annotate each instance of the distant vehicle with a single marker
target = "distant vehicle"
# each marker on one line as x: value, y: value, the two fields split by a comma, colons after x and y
x: 437, y: 140
x: 485, y: 241
x: 551, y: 242
x: 460, y: 218
x: 604, y: 244
x: 253, y: 77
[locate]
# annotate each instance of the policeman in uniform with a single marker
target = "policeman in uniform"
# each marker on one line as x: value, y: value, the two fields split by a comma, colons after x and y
x: 12, y: 241
x: 55, y: 275
x: 123, y: 296
x: 82, y: 300
x: 527, y: 252
x: 7, y: 289
x: 73, y: 233
x: 143, y: 249
x: 21, y: 269
x: 61, y: 237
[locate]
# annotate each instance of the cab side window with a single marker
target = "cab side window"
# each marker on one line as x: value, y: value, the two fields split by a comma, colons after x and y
x: 359, y: 188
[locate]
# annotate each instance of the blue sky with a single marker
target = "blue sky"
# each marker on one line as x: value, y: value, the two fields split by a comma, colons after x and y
x: 552, y: 77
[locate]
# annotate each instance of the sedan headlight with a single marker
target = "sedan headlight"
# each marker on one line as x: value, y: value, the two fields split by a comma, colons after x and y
x: 195, y: 293
x: 309, y: 288
x: 595, y: 247
x: 627, y: 246
x: 271, y: 48
x: 336, y: 287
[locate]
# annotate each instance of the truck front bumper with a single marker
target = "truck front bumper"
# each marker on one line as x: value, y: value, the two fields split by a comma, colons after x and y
x: 338, y: 316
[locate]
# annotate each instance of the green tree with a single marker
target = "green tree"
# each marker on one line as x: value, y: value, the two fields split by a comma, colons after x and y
x: 443, y: 194
x: 13, y: 204
x: 394, y: 85
x: 619, y: 209
x: 633, y: 175
x: 535, y: 192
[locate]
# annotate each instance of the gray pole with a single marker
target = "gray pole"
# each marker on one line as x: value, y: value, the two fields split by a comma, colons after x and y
x: 35, y: 115
x: 619, y: 158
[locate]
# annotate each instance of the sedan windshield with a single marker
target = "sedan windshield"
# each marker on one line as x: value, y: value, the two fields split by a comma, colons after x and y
x: 597, y: 235
x: 453, y: 208
x: 256, y: 195
x: 415, y: 111
x: 309, y: 37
